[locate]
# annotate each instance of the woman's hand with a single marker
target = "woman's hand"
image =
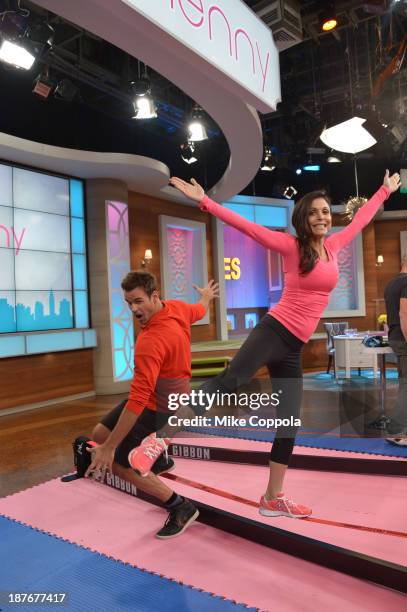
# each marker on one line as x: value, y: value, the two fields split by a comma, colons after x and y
x: 393, y: 182
x: 192, y: 190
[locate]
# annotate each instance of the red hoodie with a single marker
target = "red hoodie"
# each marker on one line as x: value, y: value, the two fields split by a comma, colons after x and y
x: 162, y: 356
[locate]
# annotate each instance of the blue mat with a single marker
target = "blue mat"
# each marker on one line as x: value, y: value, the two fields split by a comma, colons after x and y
x: 35, y: 562
x: 391, y: 374
x: 371, y: 446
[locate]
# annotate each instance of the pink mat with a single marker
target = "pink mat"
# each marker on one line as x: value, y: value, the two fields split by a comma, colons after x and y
x: 256, y: 445
x: 112, y: 523
x: 367, y: 500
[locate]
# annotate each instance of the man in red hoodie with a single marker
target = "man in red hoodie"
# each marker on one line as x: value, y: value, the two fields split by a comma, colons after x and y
x: 162, y: 365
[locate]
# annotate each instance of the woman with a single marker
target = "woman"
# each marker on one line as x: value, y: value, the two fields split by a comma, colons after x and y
x: 310, y: 274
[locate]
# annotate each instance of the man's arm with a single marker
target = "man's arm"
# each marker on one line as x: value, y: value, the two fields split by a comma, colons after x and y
x: 147, y: 364
x: 208, y: 293
x: 403, y: 317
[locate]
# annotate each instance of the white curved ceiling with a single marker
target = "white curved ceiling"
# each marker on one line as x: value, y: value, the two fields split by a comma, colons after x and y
x: 141, y: 174
x: 117, y: 23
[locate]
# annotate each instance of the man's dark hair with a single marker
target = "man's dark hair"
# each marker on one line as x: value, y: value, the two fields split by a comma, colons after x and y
x: 139, y: 278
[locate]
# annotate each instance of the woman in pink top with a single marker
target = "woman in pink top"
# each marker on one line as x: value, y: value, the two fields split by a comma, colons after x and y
x: 310, y: 274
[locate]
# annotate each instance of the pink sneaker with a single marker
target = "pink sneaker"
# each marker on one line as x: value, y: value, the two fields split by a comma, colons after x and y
x: 143, y: 457
x: 281, y: 506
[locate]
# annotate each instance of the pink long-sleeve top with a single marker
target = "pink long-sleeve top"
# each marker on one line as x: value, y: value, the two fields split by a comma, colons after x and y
x: 305, y: 297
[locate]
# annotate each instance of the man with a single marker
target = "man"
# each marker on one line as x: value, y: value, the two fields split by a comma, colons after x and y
x: 162, y: 365
x: 395, y: 295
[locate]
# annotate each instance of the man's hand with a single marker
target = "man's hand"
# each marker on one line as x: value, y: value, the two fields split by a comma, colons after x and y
x: 210, y: 292
x: 393, y: 182
x: 102, y: 461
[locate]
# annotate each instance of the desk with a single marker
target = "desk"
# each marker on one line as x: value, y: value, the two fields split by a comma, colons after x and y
x: 382, y: 421
x: 349, y: 354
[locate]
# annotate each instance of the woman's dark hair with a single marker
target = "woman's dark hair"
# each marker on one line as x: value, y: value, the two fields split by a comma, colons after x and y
x: 142, y: 279
x: 308, y: 255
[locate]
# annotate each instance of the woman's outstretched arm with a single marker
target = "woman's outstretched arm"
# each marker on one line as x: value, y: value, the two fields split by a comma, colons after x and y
x: 366, y: 213
x: 275, y: 241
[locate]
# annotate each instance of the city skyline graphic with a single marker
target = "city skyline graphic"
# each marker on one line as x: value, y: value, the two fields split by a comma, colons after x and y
x: 25, y: 318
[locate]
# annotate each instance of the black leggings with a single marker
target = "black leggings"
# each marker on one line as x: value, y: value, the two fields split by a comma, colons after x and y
x: 270, y: 344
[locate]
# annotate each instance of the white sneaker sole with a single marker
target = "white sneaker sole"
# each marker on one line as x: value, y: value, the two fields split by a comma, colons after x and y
x: 187, y: 524
x: 397, y: 441
x: 265, y: 512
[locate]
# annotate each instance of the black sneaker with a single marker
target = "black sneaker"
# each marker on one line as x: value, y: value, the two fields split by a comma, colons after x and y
x: 163, y: 465
x: 178, y: 520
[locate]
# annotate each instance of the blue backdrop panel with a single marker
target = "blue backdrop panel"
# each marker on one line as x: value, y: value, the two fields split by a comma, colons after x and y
x: 32, y: 561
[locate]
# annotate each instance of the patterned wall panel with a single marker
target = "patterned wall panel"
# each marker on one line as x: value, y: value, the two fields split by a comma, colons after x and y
x: 345, y: 296
x: 180, y: 253
x: 119, y: 265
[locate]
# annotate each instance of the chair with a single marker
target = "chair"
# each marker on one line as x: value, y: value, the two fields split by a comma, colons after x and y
x: 333, y: 329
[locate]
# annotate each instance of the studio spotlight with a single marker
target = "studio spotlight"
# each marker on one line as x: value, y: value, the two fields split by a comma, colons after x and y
x: 333, y: 159
x: 268, y: 163
x: 43, y: 85
x: 16, y: 55
x: 20, y: 45
x: 327, y: 17
x: 144, y: 108
x: 65, y: 90
x: 188, y: 152
x: 348, y: 137
x: 143, y: 103
x: 298, y: 171
x: 196, y: 128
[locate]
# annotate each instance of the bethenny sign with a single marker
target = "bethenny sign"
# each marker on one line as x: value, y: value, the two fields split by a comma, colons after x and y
x: 228, y: 35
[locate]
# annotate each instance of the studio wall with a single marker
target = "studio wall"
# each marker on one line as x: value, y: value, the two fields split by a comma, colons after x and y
x: 144, y: 212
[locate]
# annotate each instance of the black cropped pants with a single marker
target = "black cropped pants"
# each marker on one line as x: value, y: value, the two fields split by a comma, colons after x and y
x: 269, y: 344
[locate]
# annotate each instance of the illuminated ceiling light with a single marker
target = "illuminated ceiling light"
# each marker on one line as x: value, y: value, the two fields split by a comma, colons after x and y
x: 188, y: 153
x: 312, y: 168
x: 348, y: 137
x: 329, y: 24
x: 16, y: 55
x: 327, y: 17
x: 143, y: 103
x: 298, y: 171
x: 333, y: 159
x: 196, y: 128
x: 144, y: 108
x: 268, y: 163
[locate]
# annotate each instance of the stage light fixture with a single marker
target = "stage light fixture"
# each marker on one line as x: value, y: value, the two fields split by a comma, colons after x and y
x: 144, y: 108
x: 143, y: 103
x: 22, y: 45
x: 196, y: 128
x: 65, y: 90
x: 333, y: 159
x: 16, y: 55
x: 327, y: 17
x: 298, y: 171
x: 268, y: 163
x: 43, y: 85
x: 348, y: 137
x: 312, y: 168
x: 289, y: 192
x: 188, y: 152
